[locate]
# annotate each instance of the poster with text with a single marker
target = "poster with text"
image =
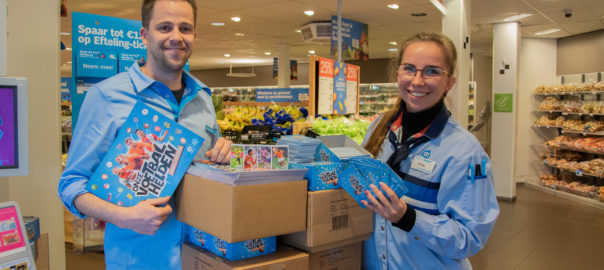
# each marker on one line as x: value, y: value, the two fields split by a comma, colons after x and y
x: 101, y: 47
x: 339, y: 88
x: 352, y: 87
x: 11, y: 236
x: 355, y: 42
x: 325, y: 94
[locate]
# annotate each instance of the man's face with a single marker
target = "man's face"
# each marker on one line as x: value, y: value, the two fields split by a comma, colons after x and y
x: 170, y: 36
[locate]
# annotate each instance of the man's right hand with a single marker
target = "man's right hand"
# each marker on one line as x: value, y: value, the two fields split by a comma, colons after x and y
x: 147, y: 216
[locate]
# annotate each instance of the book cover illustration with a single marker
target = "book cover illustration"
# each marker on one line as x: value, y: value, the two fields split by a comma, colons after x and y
x: 264, y: 157
x: 236, y: 159
x: 250, y: 158
x: 147, y: 159
x: 280, y: 157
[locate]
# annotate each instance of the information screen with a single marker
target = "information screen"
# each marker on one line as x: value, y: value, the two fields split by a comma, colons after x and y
x: 8, y: 127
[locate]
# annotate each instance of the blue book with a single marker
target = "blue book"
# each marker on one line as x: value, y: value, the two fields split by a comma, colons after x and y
x: 147, y: 159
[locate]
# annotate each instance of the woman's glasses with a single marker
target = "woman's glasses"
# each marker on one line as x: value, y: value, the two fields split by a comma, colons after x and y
x: 429, y: 72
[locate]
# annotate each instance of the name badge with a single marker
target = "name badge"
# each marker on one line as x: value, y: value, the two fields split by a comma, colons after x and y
x: 423, y: 164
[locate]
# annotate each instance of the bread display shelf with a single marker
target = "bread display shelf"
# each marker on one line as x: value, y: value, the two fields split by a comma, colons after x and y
x: 570, y: 93
x: 546, y: 126
x: 566, y: 131
x: 577, y: 173
x: 573, y: 149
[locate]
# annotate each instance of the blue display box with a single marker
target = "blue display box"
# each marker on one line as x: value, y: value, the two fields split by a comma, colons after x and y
x: 321, y: 175
x: 232, y: 251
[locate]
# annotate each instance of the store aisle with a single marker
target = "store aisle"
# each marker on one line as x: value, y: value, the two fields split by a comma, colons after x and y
x: 541, y: 231
x: 537, y: 231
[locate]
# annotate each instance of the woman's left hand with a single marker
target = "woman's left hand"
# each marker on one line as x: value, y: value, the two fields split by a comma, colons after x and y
x: 391, y: 208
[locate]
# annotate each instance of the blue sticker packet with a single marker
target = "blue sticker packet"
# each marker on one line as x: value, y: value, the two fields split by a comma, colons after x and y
x: 324, y: 154
x: 354, y: 183
x: 320, y: 175
x: 375, y: 171
x: 232, y: 251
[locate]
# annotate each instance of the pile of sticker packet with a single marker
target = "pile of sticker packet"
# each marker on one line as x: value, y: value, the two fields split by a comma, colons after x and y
x: 350, y: 168
x: 301, y: 148
x: 231, y: 251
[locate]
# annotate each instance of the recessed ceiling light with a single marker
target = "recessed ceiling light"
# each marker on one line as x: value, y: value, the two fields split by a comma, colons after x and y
x: 393, y: 43
x: 517, y: 17
x: 311, y: 51
x: 309, y: 12
x: 239, y: 34
x: 418, y: 14
x: 65, y: 33
x: 392, y: 49
x: 68, y: 49
x: 267, y: 53
x: 218, y: 24
x: 227, y: 55
x: 549, y: 31
x: 393, y: 6
x: 69, y: 62
x: 236, y: 19
x: 298, y: 31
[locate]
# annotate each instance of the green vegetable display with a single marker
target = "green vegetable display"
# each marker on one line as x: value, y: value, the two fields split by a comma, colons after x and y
x: 355, y: 129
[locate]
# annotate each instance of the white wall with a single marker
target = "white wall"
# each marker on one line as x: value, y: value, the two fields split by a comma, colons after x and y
x: 33, y: 52
x: 537, y: 66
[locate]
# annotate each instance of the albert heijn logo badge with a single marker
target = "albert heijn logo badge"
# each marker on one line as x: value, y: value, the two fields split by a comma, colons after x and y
x: 426, y: 154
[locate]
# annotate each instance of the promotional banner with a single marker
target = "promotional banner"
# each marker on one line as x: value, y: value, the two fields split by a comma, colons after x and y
x: 339, y: 88
x: 65, y: 86
x: 102, y: 46
x: 352, y: 88
x: 325, y: 97
x: 355, y: 42
x: 293, y: 69
x: 282, y: 95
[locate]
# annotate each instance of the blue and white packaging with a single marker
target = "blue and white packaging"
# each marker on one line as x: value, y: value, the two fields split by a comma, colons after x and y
x: 354, y: 183
x: 324, y: 154
x: 321, y: 175
x: 32, y: 226
x: 232, y: 251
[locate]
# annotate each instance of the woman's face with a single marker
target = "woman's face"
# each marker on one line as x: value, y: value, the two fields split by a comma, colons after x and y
x: 418, y: 91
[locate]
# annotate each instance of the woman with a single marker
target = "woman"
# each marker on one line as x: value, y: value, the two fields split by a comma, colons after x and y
x: 451, y: 207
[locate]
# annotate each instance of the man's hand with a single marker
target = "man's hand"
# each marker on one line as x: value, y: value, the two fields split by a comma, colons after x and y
x: 391, y: 208
x: 146, y: 216
x: 220, y: 152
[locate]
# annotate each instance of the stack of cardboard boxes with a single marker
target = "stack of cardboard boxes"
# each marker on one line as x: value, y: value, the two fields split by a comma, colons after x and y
x: 325, y: 227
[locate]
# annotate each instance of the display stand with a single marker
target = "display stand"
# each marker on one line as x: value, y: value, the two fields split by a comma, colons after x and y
x: 327, y: 93
x: 573, y: 159
x: 15, y: 251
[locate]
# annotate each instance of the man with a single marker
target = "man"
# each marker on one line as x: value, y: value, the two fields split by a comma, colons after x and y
x: 147, y: 235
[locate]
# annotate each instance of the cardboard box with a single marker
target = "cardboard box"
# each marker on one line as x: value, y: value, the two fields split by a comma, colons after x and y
x: 194, y: 258
x: 239, y: 213
x: 42, y: 252
x: 333, y: 217
x: 344, y: 257
x: 232, y: 251
x: 320, y: 175
x: 333, y: 146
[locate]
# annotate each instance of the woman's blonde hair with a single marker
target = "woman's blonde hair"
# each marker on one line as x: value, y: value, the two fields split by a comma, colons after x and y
x: 448, y: 48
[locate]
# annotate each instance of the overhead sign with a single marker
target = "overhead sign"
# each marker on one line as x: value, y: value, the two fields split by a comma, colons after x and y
x: 355, y: 39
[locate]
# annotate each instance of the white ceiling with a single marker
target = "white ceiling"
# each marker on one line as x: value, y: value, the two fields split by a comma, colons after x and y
x: 266, y: 23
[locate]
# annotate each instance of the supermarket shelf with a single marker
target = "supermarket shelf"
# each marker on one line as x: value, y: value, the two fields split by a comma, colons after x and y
x: 577, y: 173
x: 564, y: 131
x: 546, y: 126
x: 549, y: 111
x: 252, y: 103
x: 564, y: 194
x: 581, y: 114
x: 570, y: 93
x: 574, y: 149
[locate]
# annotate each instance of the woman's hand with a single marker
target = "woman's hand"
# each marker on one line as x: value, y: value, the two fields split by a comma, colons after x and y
x: 391, y: 208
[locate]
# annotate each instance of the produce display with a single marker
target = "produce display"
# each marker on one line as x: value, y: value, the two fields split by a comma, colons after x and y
x: 280, y: 118
x: 353, y: 128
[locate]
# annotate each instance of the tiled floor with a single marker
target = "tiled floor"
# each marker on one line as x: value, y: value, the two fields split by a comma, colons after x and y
x: 537, y: 231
